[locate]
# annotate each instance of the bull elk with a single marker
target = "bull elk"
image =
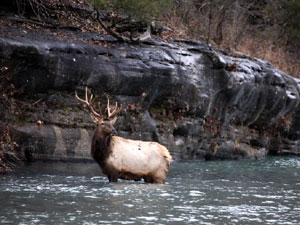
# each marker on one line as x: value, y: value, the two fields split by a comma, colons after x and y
x: 124, y: 158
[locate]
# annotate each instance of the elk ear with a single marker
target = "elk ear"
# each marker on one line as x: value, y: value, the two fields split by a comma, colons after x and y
x: 114, y: 120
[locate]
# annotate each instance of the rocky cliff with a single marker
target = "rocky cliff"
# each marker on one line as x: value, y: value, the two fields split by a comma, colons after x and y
x: 198, y: 101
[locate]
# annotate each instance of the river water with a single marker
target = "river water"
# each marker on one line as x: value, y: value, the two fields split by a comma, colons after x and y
x: 215, y: 192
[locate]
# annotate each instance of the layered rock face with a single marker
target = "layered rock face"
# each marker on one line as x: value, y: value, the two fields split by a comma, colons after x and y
x: 198, y: 101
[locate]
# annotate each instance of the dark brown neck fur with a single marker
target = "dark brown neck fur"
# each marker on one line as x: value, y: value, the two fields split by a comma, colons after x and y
x: 100, y: 147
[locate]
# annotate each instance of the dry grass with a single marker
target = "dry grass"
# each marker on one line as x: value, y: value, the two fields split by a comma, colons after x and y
x: 275, y: 54
x: 237, y: 35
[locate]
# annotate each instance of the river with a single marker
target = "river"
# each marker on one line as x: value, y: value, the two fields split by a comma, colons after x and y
x: 212, y: 192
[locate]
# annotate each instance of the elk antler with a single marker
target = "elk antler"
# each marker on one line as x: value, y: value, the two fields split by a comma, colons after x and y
x: 88, y: 102
x: 115, y: 111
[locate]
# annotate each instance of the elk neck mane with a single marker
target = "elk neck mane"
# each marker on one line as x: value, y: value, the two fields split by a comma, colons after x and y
x: 101, y: 147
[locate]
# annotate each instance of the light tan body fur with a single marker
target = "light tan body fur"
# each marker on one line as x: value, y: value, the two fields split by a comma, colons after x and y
x: 130, y: 159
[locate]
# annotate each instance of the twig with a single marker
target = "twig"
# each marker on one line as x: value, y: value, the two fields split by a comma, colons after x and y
x: 110, y: 31
x: 144, y: 36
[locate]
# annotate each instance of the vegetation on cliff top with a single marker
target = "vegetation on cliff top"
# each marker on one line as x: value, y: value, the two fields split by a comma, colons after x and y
x: 265, y: 29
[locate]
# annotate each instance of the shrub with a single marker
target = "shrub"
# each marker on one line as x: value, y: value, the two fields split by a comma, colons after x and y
x: 8, y: 156
x: 143, y: 10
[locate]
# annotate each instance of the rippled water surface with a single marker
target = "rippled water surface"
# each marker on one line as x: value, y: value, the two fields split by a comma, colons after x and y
x: 218, y: 192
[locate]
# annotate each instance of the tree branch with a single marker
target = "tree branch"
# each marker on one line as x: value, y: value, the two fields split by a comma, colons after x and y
x: 144, y: 36
x: 110, y: 31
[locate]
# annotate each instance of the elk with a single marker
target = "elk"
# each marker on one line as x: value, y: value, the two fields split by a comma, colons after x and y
x: 124, y: 158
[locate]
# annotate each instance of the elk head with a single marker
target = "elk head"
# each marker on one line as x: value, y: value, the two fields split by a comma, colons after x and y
x: 105, y: 125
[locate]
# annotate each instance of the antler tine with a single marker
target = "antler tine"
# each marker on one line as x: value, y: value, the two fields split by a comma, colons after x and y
x: 91, y: 98
x: 99, y: 106
x: 108, y: 108
x: 86, y: 94
x: 115, y: 111
x: 76, y: 96
x: 88, y: 102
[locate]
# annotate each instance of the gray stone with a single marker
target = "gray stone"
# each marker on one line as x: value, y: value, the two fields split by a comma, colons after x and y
x: 200, y: 102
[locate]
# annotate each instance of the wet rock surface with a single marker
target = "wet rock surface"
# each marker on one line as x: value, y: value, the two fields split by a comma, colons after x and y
x: 198, y: 101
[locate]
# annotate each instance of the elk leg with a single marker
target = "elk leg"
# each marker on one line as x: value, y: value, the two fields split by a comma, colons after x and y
x: 148, y: 179
x: 159, y: 181
x: 112, y: 178
x: 159, y: 177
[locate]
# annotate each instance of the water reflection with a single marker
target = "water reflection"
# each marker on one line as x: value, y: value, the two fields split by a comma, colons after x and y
x: 227, y: 192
